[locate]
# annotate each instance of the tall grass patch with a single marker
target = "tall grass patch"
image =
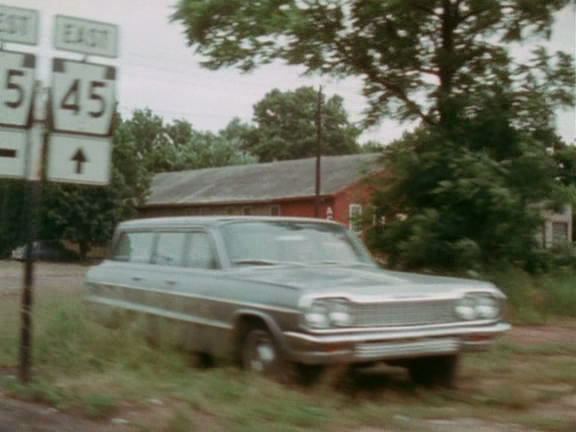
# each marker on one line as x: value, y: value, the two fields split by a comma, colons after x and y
x: 532, y: 299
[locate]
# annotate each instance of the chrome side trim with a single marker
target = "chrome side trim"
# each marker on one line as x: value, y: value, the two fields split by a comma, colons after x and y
x: 157, y: 311
x: 198, y: 297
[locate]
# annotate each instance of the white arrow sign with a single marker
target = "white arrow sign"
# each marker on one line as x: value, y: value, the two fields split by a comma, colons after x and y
x: 79, y: 159
x: 13, y: 152
x: 83, y: 97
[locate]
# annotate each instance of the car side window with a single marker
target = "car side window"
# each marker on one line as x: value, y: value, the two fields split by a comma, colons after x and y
x: 200, y: 253
x: 169, y: 248
x: 134, y: 247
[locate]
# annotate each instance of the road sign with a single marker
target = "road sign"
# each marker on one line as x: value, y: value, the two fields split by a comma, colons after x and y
x: 13, y: 146
x: 18, y: 25
x: 17, y: 80
x: 83, y: 97
x: 79, y: 159
x: 85, y: 36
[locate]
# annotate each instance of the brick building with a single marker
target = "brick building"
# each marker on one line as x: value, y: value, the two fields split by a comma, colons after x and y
x: 285, y: 188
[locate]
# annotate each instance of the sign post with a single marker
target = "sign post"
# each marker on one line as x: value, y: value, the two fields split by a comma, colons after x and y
x: 17, y: 93
x: 79, y: 116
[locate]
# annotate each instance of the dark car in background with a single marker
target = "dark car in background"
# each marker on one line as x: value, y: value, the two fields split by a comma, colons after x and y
x: 46, y: 250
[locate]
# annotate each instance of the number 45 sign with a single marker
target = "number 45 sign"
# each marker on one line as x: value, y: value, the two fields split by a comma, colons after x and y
x: 83, y: 97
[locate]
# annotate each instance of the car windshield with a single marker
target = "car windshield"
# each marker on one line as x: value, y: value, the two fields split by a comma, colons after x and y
x: 288, y: 242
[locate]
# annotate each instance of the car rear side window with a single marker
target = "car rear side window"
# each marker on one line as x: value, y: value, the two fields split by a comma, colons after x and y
x: 169, y: 248
x: 200, y: 253
x: 134, y: 247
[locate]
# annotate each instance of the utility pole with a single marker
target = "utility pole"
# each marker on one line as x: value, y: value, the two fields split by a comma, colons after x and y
x: 317, y: 203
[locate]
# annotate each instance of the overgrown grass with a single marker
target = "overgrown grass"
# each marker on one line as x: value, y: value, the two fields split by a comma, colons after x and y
x: 84, y: 368
x: 533, y: 299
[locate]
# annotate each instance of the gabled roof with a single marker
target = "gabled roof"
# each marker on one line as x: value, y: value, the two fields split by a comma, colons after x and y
x: 260, y: 182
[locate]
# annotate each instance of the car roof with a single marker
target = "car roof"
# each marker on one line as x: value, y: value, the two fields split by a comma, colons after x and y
x: 189, y: 221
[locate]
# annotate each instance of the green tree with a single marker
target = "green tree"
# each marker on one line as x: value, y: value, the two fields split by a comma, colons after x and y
x: 459, y: 208
x: 208, y: 149
x: 13, y: 205
x: 87, y: 215
x: 463, y: 189
x: 143, y: 145
x: 418, y: 59
x: 286, y: 126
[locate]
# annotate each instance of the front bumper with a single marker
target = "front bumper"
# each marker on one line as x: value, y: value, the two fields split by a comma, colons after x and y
x: 390, y: 345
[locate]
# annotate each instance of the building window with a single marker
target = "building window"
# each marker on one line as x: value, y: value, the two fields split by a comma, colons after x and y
x: 247, y: 211
x: 275, y: 210
x: 355, y: 217
x: 559, y: 232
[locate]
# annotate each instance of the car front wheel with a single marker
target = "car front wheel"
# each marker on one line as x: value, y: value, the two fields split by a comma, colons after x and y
x: 261, y: 355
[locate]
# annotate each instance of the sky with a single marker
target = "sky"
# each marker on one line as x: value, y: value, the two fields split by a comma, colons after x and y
x: 157, y: 70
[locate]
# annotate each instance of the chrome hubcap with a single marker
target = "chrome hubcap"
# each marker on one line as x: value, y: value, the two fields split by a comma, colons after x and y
x: 263, y: 356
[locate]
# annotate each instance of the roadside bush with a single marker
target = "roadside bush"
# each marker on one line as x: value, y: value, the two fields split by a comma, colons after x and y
x: 449, y: 207
x: 561, y: 257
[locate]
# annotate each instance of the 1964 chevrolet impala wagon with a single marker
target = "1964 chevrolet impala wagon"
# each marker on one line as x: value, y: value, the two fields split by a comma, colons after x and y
x: 275, y: 293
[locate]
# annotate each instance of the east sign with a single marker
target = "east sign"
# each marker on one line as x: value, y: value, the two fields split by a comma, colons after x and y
x: 18, y: 25
x: 85, y: 36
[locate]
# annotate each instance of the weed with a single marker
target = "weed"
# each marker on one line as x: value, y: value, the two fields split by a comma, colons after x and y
x: 546, y: 423
x: 88, y: 368
x: 180, y: 422
x: 509, y: 397
x: 41, y: 391
x: 533, y: 299
x: 99, y: 405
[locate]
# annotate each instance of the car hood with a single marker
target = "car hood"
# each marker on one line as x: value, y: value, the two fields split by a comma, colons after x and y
x: 368, y: 282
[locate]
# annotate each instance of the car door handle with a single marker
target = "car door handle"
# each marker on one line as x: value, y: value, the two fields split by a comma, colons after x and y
x: 136, y: 279
x: 170, y: 282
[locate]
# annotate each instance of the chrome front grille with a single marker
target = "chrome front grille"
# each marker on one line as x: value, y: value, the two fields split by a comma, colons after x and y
x: 396, y: 314
x: 407, y: 349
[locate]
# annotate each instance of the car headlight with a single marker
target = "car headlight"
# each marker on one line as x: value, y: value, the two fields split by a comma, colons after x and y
x: 325, y: 313
x: 339, y: 313
x: 316, y: 315
x: 488, y: 307
x: 477, y: 306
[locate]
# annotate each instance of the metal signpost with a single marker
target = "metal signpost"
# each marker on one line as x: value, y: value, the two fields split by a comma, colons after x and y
x: 17, y: 92
x: 79, y: 116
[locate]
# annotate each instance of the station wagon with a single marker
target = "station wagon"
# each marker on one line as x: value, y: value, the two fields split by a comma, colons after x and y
x: 280, y: 295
